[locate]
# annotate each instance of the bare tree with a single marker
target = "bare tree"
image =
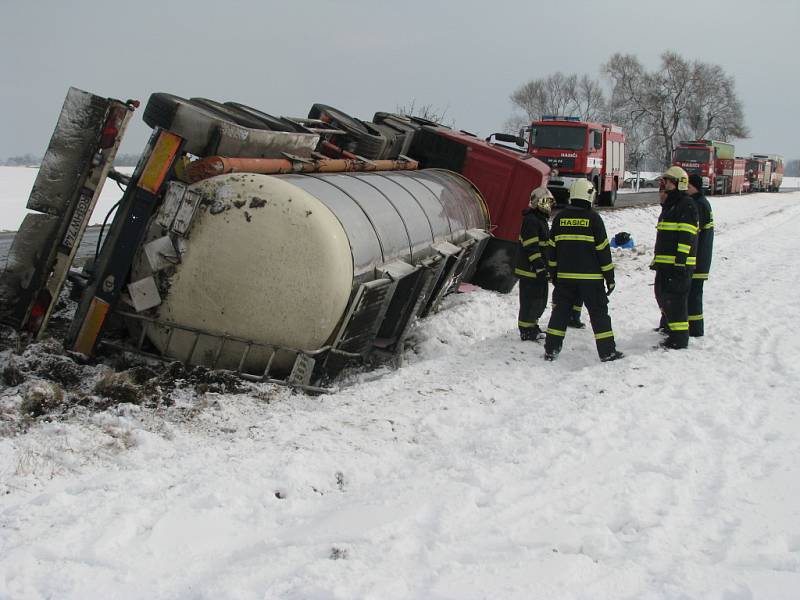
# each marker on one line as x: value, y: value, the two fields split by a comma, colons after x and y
x: 680, y: 98
x: 425, y: 111
x: 557, y: 94
x: 714, y: 110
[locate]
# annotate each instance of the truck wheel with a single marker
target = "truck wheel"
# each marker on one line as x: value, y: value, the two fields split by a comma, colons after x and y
x: 608, y: 198
x: 344, y: 120
x: 237, y: 116
x: 366, y: 143
x: 274, y: 123
x: 161, y: 108
x: 394, y: 139
x: 196, y: 124
x: 373, y: 144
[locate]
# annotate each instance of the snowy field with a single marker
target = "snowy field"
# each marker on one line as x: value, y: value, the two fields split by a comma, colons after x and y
x: 16, y: 183
x: 15, y: 187
x: 476, y: 470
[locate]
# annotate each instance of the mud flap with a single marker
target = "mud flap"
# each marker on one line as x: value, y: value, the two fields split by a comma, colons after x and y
x: 71, y: 176
x: 36, y: 235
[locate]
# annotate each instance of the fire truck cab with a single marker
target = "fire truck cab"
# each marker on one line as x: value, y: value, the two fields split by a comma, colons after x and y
x: 759, y: 173
x: 775, y: 162
x: 711, y: 160
x: 576, y: 149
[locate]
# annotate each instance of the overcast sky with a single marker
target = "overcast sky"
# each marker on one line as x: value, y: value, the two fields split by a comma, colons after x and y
x: 366, y: 55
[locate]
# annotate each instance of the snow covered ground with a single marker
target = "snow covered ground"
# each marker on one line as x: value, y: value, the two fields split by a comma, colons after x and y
x: 476, y: 470
x: 15, y: 187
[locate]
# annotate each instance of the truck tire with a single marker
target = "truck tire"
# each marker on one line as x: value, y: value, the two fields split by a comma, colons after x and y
x: 366, y: 143
x: 161, y: 108
x: 344, y: 120
x: 274, y: 123
x: 237, y: 116
x: 608, y: 198
x: 394, y: 139
x: 401, y: 124
x: 371, y: 145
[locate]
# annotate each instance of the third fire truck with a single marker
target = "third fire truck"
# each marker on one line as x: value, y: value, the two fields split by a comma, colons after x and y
x: 723, y: 172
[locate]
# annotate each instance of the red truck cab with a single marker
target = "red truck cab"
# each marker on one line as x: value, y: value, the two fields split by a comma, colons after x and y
x: 759, y: 174
x: 711, y: 160
x: 503, y: 174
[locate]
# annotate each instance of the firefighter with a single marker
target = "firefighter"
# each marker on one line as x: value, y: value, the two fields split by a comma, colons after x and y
x: 579, y: 260
x: 531, y: 267
x: 675, y: 256
x: 705, y: 244
x: 575, y: 317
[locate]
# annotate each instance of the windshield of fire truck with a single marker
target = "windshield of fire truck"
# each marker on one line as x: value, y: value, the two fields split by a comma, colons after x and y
x: 561, y: 137
x: 692, y: 155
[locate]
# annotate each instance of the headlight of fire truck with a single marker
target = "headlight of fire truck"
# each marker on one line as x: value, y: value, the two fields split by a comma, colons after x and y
x: 706, y: 182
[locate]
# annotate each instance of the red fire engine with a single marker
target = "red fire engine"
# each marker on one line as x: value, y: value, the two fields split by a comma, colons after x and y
x: 759, y: 174
x: 715, y: 162
x: 576, y: 149
x: 732, y: 169
x: 776, y: 170
x: 723, y: 173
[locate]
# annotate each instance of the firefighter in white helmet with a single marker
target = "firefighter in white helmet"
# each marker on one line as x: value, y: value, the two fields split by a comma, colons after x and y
x: 579, y: 260
x: 531, y: 268
x: 675, y: 257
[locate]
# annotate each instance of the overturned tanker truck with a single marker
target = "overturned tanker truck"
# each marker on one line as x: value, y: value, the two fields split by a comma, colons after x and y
x: 284, y: 249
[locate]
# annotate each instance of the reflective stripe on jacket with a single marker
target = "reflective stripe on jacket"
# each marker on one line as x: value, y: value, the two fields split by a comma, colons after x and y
x: 532, y: 245
x: 676, y: 233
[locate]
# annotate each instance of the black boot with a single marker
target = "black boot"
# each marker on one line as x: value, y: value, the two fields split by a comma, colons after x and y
x: 670, y: 344
x: 615, y: 355
x: 551, y: 355
x: 531, y: 334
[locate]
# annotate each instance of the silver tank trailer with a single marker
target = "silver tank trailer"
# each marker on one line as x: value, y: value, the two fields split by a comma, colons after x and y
x: 249, y: 272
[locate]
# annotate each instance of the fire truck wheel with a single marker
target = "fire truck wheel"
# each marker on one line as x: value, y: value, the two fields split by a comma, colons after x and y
x: 274, y: 123
x: 608, y: 198
x: 238, y: 117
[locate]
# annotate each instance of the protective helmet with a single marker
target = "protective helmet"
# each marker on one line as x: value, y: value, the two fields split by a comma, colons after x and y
x: 542, y: 199
x: 582, y: 189
x: 679, y: 176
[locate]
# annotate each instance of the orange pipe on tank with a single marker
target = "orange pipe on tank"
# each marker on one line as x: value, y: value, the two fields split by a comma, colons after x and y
x: 220, y: 165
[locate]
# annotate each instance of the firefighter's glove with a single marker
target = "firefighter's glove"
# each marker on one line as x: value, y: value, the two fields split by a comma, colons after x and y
x: 609, y: 287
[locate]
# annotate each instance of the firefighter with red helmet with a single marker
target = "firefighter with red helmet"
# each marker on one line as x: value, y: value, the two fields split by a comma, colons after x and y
x: 579, y: 260
x: 531, y: 268
x: 675, y: 257
x: 705, y: 246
